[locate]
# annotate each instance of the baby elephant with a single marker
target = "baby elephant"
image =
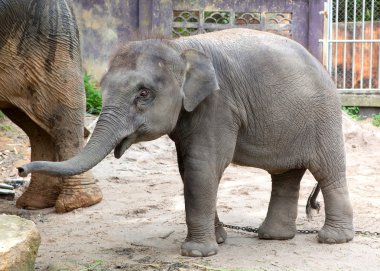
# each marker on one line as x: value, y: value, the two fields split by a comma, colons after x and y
x: 235, y: 96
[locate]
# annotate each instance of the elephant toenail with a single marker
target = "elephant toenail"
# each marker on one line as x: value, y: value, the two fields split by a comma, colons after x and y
x: 331, y: 241
x: 196, y: 253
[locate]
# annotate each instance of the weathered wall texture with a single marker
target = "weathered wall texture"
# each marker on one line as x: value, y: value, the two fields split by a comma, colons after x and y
x: 102, y: 24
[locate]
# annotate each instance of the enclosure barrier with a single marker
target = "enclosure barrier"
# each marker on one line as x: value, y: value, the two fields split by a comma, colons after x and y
x: 351, y: 50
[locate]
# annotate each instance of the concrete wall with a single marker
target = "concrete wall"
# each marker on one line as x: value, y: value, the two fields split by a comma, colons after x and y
x: 103, y: 23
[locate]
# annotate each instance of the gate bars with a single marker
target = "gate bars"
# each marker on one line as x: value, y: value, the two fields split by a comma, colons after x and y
x: 352, y: 42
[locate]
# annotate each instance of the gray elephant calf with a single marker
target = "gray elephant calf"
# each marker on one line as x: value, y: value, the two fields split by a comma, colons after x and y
x: 235, y: 96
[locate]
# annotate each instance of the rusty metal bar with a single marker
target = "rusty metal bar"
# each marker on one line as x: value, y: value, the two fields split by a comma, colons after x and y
x: 362, y: 53
x: 354, y: 48
x: 345, y: 45
x: 329, y: 36
x: 371, y: 45
x: 336, y: 37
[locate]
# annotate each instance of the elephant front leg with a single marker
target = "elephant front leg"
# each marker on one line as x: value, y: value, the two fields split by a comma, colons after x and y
x: 200, y: 204
x: 280, y: 222
x: 220, y: 232
x: 77, y: 191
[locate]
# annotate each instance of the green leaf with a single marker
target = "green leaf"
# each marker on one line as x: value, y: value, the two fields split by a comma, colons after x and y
x: 93, y: 96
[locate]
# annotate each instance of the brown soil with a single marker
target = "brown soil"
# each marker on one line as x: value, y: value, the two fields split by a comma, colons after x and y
x: 140, y: 223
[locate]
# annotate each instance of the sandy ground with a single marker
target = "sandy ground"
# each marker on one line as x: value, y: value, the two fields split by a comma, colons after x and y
x: 140, y: 223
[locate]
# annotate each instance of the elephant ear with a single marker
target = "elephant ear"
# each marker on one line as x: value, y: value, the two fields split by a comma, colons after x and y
x: 199, y: 80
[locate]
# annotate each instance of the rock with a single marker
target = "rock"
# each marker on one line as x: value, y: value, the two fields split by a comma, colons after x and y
x: 19, y: 242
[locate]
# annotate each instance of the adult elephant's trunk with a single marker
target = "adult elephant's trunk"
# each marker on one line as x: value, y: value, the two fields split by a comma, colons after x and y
x: 109, y: 131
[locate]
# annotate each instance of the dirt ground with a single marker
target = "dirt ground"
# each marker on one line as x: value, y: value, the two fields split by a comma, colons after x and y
x: 140, y: 223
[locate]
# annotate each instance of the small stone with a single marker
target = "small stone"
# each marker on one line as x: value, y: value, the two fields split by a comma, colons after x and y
x: 19, y: 243
x: 6, y: 192
x: 6, y: 186
x: 15, y: 182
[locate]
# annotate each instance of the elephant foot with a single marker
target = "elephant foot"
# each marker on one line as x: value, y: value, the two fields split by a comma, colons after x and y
x: 277, y: 231
x: 220, y: 234
x: 34, y: 201
x: 335, y: 234
x: 39, y: 194
x: 77, y: 194
x: 195, y: 249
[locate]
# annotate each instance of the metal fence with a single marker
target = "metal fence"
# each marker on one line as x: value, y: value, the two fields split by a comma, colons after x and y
x: 352, y: 43
x: 191, y: 22
x: 288, y: 18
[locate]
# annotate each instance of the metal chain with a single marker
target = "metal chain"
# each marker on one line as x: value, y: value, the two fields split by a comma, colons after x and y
x: 255, y: 230
x: 368, y: 233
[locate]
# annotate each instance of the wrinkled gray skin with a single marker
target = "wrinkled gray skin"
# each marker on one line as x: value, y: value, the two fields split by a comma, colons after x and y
x: 236, y: 96
x: 41, y: 90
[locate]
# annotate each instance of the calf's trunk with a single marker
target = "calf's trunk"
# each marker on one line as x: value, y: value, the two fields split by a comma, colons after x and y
x: 109, y: 131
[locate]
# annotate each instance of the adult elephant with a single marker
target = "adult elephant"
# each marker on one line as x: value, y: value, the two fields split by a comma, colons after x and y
x: 241, y: 96
x: 41, y: 90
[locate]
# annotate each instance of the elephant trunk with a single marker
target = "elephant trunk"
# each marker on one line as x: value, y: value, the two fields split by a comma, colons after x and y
x: 107, y: 134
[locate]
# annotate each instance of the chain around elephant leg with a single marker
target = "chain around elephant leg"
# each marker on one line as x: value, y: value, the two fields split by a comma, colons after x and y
x: 220, y: 232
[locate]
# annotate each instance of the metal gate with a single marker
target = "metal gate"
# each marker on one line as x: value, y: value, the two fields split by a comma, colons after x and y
x: 297, y: 19
x: 351, y: 50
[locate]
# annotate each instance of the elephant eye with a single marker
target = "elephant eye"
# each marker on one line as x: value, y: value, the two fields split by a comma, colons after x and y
x: 144, y: 97
x: 144, y: 93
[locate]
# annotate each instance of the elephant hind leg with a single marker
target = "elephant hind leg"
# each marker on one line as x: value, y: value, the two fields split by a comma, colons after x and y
x: 43, y: 190
x: 280, y: 222
x: 338, y: 227
x: 220, y: 232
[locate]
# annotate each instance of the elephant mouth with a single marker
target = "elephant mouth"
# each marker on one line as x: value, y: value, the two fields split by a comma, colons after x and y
x: 123, y: 146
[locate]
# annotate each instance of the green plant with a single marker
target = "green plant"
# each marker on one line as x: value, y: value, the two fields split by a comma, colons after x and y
x: 206, y: 268
x: 356, y: 15
x: 2, y: 116
x: 352, y: 111
x: 93, y: 96
x: 5, y: 127
x: 376, y: 120
x: 94, y: 266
